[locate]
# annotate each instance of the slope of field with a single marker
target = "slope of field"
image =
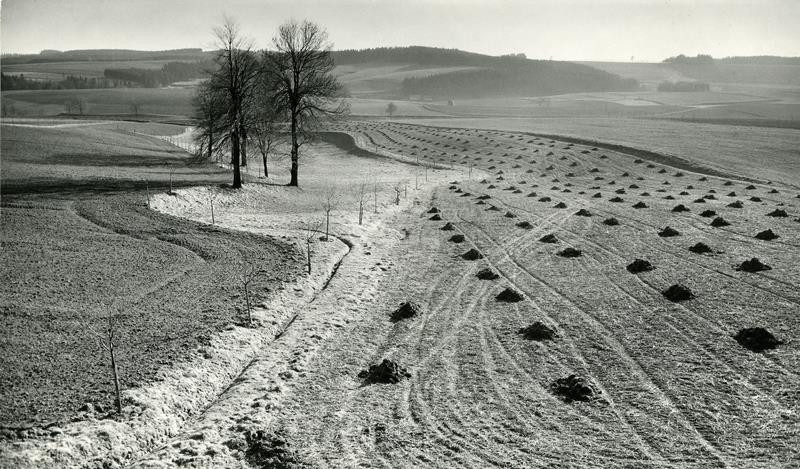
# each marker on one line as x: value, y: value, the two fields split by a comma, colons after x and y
x: 670, y: 385
x: 748, y: 152
x: 174, y: 101
x: 79, y: 243
x: 91, y: 69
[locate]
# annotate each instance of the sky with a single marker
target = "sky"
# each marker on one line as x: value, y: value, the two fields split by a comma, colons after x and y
x: 613, y: 30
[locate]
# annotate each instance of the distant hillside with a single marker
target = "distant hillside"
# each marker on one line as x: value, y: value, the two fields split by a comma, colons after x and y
x: 104, y: 55
x: 757, y: 69
x: 458, y: 74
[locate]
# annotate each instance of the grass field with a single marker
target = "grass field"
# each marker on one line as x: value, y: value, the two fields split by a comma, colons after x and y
x: 79, y: 243
x: 764, y: 153
x: 93, y: 69
x: 112, y: 101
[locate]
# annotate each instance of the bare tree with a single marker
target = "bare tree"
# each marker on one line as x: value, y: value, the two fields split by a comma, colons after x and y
x: 398, y: 188
x: 209, y: 113
x: 134, y: 106
x: 361, y: 194
x: 391, y: 108
x: 250, y: 273
x: 266, y: 119
x: 375, y: 190
x: 234, y: 81
x: 310, y: 231
x: 302, y: 69
x: 329, y: 203
x: 107, y: 339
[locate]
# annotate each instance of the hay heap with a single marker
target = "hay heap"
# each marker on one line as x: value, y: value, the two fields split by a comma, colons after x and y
x: 677, y: 293
x: 472, y: 255
x: 560, y: 205
x: 753, y: 265
x: 616, y: 199
x: 766, y: 235
x: 545, y: 199
x: 737, y: 204
x: 525, y: 225
x: 387, y: 372
x: 492, y: 208
x: 265, y: 449
x: 570, y: 252
x: 700, y: 248
x: 509, y: 295
x: 597, y: 195
x: 549, y: 238
x: 756, y: 339
x: 433, y: 210
x: 778, y: 213
x: 583, y: 213
x: 668, y: 232
x: 510, y: 215
x: 435, y: 217
x: 405, y: 311
x: 639, y: 265
x: 459, y: 238
x: 573, y: 388
x: 719, y: 222
x: 448, y: 227
x: 487, y: 274
x: 538, y: 331
x: 707, y: 213
x: 611, y: 221
x: 640, y: 204
x: 680, y: 208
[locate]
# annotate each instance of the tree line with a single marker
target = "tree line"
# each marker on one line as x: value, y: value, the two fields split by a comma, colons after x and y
x: 262, y: 97
x: 71, y: 82
x: 168, y: 74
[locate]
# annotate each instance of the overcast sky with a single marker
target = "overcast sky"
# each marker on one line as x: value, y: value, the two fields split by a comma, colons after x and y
x: 647, y: 30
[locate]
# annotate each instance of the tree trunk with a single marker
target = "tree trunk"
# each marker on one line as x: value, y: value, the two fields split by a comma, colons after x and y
x: 266, y: 171
x: 360, y: 212
x: 308, y: 256
x: 295, y: 151
x: 243, y: 151
x: 327, y: 223
x: 237, y: 175
x: 118, y: 398
x: 210, y: 144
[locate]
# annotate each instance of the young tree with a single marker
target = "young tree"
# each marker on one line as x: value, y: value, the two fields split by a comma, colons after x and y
x: 329, y: 203
x: 107, y: 340
x: 234, y: 82
x: 310, y: 232
x: 361, y: 195
x: 250, y: 273
x: 301, y: 66
x: 391, y: 108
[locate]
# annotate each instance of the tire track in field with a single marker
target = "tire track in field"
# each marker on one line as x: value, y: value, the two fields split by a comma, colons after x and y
x: 630, y: 362
x: 653, y: 292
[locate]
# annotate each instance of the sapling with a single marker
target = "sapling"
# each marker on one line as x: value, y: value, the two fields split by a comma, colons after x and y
x: 251, y: 272
x: 106, y: 341
x: 331, y: 199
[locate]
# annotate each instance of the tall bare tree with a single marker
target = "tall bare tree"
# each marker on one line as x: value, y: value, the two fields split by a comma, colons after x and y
x: 210, y: 110
x: 266, y: 119
x: 301, y: 66
x: 234, y: 81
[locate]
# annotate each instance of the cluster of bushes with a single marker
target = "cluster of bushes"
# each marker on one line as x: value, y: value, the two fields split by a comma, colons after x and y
x: 170, y: 73
x: 71, y: 82
x: 683, y: 86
